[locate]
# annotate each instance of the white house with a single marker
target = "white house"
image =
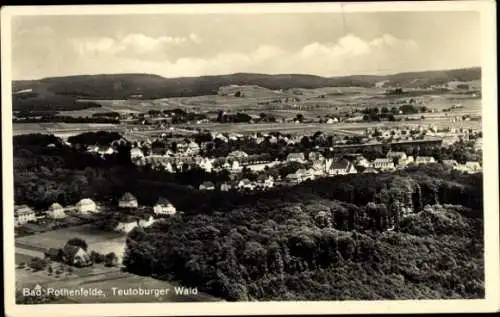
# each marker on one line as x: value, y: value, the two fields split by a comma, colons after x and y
x: 23, y: 214
x: 56, y: 211
x: 207, y: 164
x: 164, y: 207
x: 128, y: 201
x: 266, y: 182
x: 246, y: 184
x: 469, y: 167
x: 296, y: 157
x: 136, y: 153
x: 425, y: 160
x: 450, y: 163
x: 362, y: 161
x: 224, y: 187
x: 126, y: 226
x: 383, y: 164
x: 207, y: 186
x: 405, y: 161
x: 86, y: 205
x: 237, y: 155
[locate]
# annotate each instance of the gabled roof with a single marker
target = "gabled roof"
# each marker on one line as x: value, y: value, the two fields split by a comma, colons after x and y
x: 85, y: 201
x: 55, y: 206
x: 128, y: 197
x: 70, y: 250
x: 342, y: 164
x: 383, y: 160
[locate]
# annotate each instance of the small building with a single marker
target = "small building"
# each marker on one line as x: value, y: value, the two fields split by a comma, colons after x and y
x: 56, y: 211
x: 315, y: 156
x: 86, y: 205
x: 383, y: 164
x: 164, y: 207
x: 362, y: 162
x: 469, y: 167
x: 76, y: 256
x: 450, y: 163
x: 425, y: 160
x: 246, y: 184
x: 207, y: 186
x: 125, y: 226
x: 305, y: 174
x: 239, y: 155
x: 136, y: 153
x: 23, y: 214
x: 296, y: 157
x: 224, y: 187
x: 128, y: 201
x: 293, y: 178
x: 265, y: 182
x: 402, y: 162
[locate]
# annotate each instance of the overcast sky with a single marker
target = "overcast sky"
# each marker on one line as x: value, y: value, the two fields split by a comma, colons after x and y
x: 328, y: 44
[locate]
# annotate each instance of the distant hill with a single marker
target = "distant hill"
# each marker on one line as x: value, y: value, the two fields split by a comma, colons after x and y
x: 61, y: 92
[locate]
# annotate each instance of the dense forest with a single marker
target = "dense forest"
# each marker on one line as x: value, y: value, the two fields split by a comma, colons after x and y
x: 413, y: 234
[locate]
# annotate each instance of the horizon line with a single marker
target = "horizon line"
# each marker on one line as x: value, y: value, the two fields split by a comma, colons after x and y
x: 256, y: 73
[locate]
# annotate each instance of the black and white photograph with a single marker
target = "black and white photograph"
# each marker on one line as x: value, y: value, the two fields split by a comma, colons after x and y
x: 250, y: 154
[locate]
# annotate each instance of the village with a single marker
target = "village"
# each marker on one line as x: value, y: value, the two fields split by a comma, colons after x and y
x: 261, y: 170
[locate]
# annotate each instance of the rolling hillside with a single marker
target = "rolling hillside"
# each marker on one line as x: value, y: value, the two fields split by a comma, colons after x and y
x: 60, y: 93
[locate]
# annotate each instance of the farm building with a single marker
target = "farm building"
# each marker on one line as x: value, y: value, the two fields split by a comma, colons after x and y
x: 86, y: 205
x: 56, y: 211
x: 164, y: 207
x: 128, y: 201
x: 23, y: 214
x: 75, y: 256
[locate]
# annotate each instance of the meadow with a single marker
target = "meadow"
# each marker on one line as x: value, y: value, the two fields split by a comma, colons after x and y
x: 97, y: 240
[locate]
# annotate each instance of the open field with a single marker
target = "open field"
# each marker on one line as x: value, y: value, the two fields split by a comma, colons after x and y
x: 97, y: 240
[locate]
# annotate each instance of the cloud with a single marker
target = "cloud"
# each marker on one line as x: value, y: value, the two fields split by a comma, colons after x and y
x: 138, y: 53
x: 132, y: 45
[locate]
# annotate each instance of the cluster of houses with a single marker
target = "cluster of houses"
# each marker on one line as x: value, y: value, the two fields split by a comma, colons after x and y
x: 134, y: 219
x: 448, y: 135
x: 24, y: 214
